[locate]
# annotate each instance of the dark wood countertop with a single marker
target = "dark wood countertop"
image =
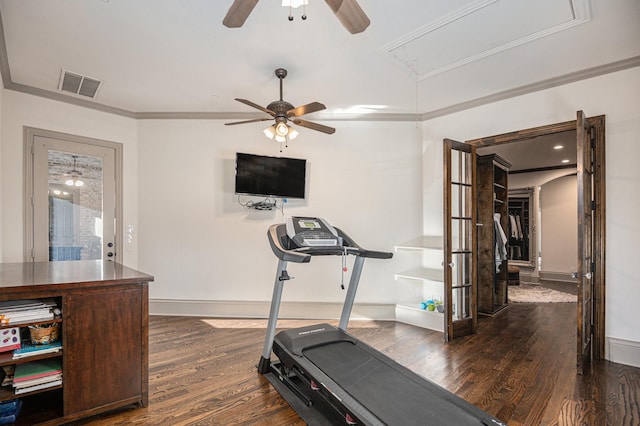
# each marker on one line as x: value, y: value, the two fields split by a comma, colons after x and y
x: 66, y: 274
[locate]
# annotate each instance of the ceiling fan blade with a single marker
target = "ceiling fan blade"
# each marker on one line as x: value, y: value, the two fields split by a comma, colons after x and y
x: 238, y: 13
x: 314, y: 126
x: 306, y: 109
x: 255, y: 120
x: 252, y: 104
x: 350, y: 14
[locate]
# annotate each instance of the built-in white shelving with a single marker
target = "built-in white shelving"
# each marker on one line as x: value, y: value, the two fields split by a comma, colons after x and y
x: 421, y: 283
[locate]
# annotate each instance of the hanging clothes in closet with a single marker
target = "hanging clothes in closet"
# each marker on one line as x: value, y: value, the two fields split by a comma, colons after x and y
x: 501, y: 242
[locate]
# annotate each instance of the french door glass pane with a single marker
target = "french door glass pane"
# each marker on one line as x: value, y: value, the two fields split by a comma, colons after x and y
x: 460, y: 167
x: 461, y: 234
x: 461, y: 303
x: 75, y: 206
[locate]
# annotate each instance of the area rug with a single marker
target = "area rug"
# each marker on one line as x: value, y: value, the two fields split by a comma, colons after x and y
x: 532, y: 293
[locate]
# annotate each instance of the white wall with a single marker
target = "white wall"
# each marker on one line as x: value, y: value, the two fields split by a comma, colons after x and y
x: 20, y: 110
x: 201, y: 245
x: 559, y: 227
x: 615, y: 95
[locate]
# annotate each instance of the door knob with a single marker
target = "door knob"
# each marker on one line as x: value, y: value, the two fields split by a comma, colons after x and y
x: 588, y: 275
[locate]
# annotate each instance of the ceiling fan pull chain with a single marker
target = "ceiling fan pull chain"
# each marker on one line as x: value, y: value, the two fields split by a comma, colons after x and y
x: 290, y: 12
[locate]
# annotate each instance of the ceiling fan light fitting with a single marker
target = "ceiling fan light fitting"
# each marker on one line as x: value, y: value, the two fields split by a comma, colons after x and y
x: 293, y: 133
x: 280, y: 139
x: 294, y: 3
x: 270, y: 132
x: 74, y: 182
x: 282, y: 129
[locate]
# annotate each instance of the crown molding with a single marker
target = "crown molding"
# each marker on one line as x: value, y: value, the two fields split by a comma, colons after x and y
x: 536, y: 87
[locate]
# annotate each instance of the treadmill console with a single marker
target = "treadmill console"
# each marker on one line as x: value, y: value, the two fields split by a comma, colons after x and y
x: 312, y: 232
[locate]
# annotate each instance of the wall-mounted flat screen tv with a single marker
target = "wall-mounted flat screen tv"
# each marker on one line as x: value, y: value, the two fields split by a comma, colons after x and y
x: 270, y: 176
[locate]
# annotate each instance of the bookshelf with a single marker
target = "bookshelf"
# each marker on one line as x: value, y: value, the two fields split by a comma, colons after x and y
x: 492, y: 199
x: 103, y: 328
x: 420, y: 283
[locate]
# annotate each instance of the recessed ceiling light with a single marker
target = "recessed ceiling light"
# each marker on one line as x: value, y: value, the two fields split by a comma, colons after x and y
x: 558, y: 147
x: 565, y: 161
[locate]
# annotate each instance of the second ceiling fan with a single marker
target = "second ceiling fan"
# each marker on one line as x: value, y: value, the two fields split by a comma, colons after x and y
x: 348, y: 12
x: 283, y: 112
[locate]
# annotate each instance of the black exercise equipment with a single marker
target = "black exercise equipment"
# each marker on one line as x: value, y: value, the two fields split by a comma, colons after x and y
x: 328, y: 376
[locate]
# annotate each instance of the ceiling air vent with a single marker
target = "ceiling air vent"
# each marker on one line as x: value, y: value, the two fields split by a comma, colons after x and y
x: 78, y: 84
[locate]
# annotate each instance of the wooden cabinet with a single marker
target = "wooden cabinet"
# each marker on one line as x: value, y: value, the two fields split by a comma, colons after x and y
x: 492, y: 202
x: 104, y: 336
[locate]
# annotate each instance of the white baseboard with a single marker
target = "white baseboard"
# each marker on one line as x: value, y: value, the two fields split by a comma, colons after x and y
x: 623, y: 351
x: 249, y: 309
x: 556, y: 276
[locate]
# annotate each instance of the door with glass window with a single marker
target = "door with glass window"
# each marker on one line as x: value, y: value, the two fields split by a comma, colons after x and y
x: 73, y: 209
x: 460, y: 236
x: 586, y: 262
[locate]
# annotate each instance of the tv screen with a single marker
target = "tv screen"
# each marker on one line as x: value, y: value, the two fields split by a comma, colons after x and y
x: 270, y: 176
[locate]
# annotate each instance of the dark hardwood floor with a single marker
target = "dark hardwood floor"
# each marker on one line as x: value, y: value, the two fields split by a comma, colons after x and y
x: 520, y: 367
x: 563, y: 286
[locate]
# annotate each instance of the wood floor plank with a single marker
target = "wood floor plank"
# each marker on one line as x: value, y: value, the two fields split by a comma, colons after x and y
x: 520, y: 367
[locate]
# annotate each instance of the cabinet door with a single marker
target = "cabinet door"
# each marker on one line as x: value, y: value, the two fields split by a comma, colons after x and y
x: 103, y: 349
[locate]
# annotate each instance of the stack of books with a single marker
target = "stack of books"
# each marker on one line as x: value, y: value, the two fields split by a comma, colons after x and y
x: 9, y: 411
x: 28, y: 349
x: 37, y: 375
x: 20, y: 311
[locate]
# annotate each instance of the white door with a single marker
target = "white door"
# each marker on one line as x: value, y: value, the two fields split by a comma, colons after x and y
x: 73, y: 207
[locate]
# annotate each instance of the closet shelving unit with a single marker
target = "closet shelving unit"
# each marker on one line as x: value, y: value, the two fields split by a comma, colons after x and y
x: 421, y: 283
x: 492, y: 197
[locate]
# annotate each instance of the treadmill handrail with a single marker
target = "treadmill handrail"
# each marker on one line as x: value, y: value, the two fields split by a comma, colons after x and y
x: 277, y: 234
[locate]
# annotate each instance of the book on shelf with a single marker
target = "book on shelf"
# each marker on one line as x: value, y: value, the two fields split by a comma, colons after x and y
x: 25, y: 304
x: 9, y: 339
x: 36, y: 369
x: 37, y: 381
x: 29, y: 349
x: 12, y: 312
x: 19, y: 391
x: 9, y: 411
x: 10, y: 407
x: 7, y: 379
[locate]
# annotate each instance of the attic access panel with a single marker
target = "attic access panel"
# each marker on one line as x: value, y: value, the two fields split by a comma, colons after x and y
x: 453, y: 40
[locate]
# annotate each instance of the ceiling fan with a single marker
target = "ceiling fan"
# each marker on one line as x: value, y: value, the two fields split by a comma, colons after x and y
x: 348, y: 12
x: 283, y: 112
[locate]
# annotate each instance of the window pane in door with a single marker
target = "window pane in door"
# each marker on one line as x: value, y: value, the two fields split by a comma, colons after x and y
x: 75, y: 206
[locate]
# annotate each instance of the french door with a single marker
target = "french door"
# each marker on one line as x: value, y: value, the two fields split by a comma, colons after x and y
x: 586, y: 262
x: 73, y: 205
x: 460, y: 235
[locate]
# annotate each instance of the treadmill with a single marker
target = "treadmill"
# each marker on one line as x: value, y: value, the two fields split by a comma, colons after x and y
x: 328, y: 376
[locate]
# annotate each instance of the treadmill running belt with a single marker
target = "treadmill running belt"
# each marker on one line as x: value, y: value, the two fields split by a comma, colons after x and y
x: 392, y: 393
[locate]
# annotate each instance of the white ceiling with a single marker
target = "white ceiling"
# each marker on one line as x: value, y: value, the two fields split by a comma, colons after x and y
x: 542, y: 152
x: 417, y: 59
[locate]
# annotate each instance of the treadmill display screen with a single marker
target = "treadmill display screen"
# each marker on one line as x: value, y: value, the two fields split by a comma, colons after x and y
x: 308, y: 225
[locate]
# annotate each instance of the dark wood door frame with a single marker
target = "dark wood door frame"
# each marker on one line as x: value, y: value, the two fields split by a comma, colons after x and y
x: 598, y: 124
